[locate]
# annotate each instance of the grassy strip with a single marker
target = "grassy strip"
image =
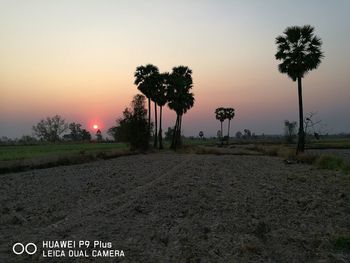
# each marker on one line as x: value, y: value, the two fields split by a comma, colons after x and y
x: 12, y: 166
x: 20, y: 152
x: 322, y: 161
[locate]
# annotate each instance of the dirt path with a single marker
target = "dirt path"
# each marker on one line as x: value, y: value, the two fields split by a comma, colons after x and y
x: 181, y: 208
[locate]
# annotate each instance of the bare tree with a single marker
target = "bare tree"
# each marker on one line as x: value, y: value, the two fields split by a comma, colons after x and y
x: 51, y: 128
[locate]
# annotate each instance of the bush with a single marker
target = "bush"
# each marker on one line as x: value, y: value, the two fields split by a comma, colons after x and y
x: 133, y: 127
x: 342, y: 243
x: 330, y: 162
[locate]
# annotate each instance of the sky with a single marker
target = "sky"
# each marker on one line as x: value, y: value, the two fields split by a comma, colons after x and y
x: 77, y: 58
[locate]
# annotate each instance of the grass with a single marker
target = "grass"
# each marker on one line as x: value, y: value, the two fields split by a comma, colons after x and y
x: 342, y: 243
x: 331, y: 143
x: 21, y: 152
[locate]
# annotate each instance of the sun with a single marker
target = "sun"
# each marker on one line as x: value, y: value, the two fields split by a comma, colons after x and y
x: 95, y: 126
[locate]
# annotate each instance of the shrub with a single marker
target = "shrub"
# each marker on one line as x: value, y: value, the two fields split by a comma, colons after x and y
x: 342, y: 243
x: 330, y: 162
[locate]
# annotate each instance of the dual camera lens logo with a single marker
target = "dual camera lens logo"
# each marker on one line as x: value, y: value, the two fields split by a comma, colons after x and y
x: 19, y: 248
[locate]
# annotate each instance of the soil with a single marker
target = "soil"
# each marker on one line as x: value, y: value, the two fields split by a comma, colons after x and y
x: 167, y: 207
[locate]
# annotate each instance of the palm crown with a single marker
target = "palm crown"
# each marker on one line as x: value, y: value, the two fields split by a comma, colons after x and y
x: 299, y: 50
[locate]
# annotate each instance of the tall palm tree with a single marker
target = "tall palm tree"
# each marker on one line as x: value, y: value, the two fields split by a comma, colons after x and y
x: 145, y: 81
x: 161, y: 100
x: 300, y: 52
x: 230, y: 113
x: 179, y: 97
x: 220, y: 115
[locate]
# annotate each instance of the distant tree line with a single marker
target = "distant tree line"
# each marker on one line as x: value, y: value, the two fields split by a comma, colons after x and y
x: 51, y: 129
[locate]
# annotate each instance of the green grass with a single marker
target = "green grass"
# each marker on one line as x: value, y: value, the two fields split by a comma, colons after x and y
x: 328, y: 143
x: 342, y: 243
x: 34, y: 151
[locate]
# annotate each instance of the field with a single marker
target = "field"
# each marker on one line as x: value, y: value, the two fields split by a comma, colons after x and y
x: 18, y: 152
x: 171, y: 207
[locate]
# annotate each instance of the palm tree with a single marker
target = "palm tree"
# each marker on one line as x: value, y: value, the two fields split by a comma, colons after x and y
x: 161, y: 100
x: 220, y: 114
x: 230, y: 113
x: 300, y: 52
x: 179, y: 97
x: 145, y: 81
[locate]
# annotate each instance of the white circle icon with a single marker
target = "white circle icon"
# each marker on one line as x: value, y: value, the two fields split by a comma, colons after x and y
x: 34, y: 248
x: 19, y: 248
x: 18, y: 252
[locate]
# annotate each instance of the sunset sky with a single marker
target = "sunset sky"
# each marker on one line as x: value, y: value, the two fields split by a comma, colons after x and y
x: 77, y: 59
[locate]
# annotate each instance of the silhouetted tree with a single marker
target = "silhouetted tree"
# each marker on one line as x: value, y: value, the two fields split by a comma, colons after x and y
x: 201, y: 134
x: 220, y: 114
x: 239, y: 135
x: 133, y: 126
x: 179, y: 97
x: 85, y: 135
x: 230, y: 113
x: 290, y: 130
x: 169, y: 134
x: 247, y: 134
x: 146, y: 83
x: 300, y: 52
x: 99, y: 135
x: 51, y: 128
x: 161, y: 100
x: 75, y: 131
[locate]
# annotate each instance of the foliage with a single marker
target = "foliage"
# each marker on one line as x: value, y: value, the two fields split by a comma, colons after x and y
x: 221, y: 114
x: 77, y: 133
x: 300, y: 52
x: 201, y: 134
x: 180, y: 98
x: 99, y: 135
x: 343, y: 243
x: 169, y: 134
x: 51, y: 128
x: 290, y: 130
x: 330, y: 162
x: 133, y: 127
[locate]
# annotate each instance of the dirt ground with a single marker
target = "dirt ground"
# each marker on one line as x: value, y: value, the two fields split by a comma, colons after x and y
x: 180, y: 208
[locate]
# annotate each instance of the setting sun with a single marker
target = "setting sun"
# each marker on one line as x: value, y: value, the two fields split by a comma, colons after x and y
x: 95, y: 126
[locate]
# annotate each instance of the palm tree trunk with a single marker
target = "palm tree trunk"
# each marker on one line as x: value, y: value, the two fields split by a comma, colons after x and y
x: 301, y: 137
x: 149, y: 115
x: 228, y: 130
x: 174, y: 133
x: 156, y: 128
x: 178, y: 142
x: 221, y: 130
x: 160, y: 129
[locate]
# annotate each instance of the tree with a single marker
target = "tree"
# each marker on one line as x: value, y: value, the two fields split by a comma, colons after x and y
x: 99, y: 135
x: 85, y: 135
x: 230, y: 113
x: 179, y: 97
x: 220, y: 114
x: 133, y: 127
x: 75, y: 131
x: 161, y: 100
x: 290, y: 130
x: 239, y: 135
x: 146, y: 78
x: 201, y: 134
x: 169, y: 134
x: 50, y: 129
x: 247, y: 134
x: 300, y: 52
